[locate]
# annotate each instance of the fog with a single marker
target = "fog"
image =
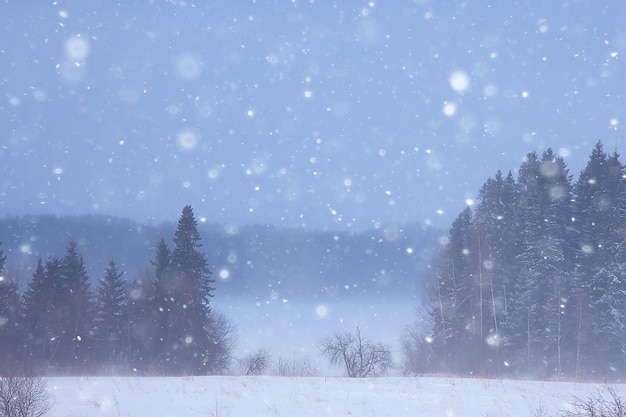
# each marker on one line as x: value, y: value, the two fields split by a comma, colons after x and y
x: 294, y: 329
x: 349, y: 117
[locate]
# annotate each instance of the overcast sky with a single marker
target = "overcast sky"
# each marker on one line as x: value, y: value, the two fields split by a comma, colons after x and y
x: 320, y: 114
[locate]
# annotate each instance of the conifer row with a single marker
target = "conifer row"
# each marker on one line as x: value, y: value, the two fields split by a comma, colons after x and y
x: 163, y: 325
x: 533, y: 280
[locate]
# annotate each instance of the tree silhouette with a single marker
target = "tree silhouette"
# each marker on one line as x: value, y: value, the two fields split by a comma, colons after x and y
x: 10, y: 332
x: 39, y: 313
x: 358, y: 356
x: 535, y: 280
x: 110, y: 331
x: 74, y: 311
x: 182, y: 301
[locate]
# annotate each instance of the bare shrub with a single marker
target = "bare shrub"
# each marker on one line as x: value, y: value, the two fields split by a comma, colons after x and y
x: 23, y: 396
x: 218, y: 409
x: 540, y: 411
x: 256, y: 363
x: 417, y: 351
x: 359, y: 357
x: 223, y: 338
x: 598, y: 405
x: 302, y: 366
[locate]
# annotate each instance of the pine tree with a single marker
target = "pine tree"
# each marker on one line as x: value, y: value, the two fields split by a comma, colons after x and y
x: 10, y: 334
x: 161, y: 304
x: 39, y: 312
x: 454, y: 299
x: 186, y: 259
x: 600, y: 265
x: 74, y: 311
x: 617, y: 247
x: 110, y: 332
x: 543, y: 270
x: 141, y: 329
x: 558, y: 252
x: 510, y: 195
x: 543, y: 273
x: 493, y: 230
x: 182, y: 295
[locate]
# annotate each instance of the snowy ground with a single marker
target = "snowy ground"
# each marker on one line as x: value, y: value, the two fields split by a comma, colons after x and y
x: 293, y: 330
x: 321, y: 396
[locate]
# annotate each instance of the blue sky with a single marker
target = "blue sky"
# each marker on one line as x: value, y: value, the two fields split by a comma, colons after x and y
x: 318, y: 114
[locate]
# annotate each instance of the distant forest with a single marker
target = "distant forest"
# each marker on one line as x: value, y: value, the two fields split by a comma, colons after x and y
x: 248, y: 260
x: 61, y: 324
x: 125, y: 298
x: 532, y: 280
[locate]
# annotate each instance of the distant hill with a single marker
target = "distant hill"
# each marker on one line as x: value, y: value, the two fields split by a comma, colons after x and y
x: 260, y: 261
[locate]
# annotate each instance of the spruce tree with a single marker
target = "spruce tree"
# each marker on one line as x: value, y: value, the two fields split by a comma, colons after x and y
x: 453, y: 300
x: 558, y: 252
x: 39, y: 313
x: 543, y: 272
x: 140, y: 328
x: 543, y: 277
x: 161, y: 304
x: 110, y: 331
x: 10, y: 334
x: 617, y: 248
x: 508, y: 251
x: 493, y: 230
x: 528, y: 298
x: 74, y: 311
x: 183, y: 289
x: 600, y: 264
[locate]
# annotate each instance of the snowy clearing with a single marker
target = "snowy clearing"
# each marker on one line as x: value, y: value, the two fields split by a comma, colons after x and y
x: 231, y: 396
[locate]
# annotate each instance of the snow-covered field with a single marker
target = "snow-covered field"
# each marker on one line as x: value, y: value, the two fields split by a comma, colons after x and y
x: 293, y: 330
x: 231, y: 396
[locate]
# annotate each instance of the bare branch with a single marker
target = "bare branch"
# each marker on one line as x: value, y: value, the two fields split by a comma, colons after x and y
x: 22, y: 396
x: 256, y: 363
x: 359, y: 357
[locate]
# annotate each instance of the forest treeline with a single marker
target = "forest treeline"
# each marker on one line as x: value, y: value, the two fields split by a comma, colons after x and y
x: 256, y: 259
x: 532, y: 280
x: 61, y: 324
x: 100, y: 308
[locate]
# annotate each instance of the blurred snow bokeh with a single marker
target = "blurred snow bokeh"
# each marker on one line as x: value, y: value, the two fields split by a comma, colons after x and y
x: 302, y: 114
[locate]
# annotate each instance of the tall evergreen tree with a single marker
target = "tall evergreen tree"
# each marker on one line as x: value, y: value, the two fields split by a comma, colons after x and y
x: 493, y: 230
x: 509, y: 249
x: 544, y: 273
x: 526, y: 275
x: 38, y: 309
x: 183, y: 289
x: 10, y: 334
x: 110, y: 331
x: 600, y: 268
x: 453, y: 298
x: 558, y: 253
x: 162, y: 317
x: 141, y: 329
x: 74, y: 311
x: 617, y: 247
